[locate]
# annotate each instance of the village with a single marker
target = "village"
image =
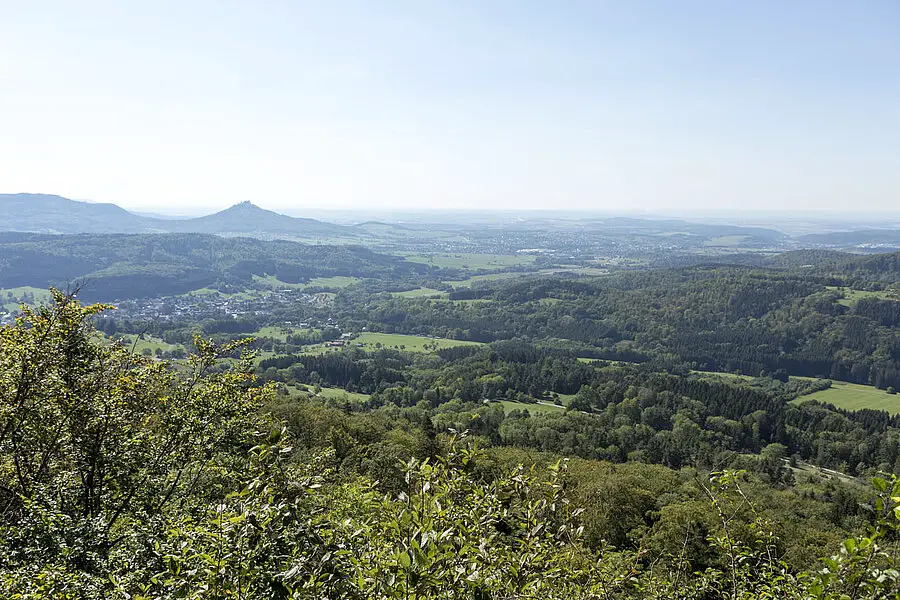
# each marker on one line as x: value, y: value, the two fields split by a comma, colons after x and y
x: 216, y: 305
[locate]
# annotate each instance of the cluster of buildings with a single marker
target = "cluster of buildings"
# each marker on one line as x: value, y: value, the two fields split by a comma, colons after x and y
x: 198, y: 306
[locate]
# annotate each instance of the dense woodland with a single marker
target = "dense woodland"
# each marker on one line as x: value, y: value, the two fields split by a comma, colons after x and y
x: 734, y: 319
x: 587, y: 442
x: 123, y: 477
x: 109, y: 267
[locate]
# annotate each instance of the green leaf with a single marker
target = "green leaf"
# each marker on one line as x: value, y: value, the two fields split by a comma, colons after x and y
x: 404, y: 560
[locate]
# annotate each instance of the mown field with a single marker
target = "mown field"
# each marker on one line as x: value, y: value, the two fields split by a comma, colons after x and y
x: 465, y: 283
x: 509, y: 405
x: 851, y: 295
x: 147, y: 342
x: 341, y: 394
x: 11, y: 298
x: 852, y: 396
x: 336, y: 282
x: 410, y: 343
x: 420, y: 293
x: 482, y: 262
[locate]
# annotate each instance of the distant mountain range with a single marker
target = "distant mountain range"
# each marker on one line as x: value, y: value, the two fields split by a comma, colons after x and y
x: 39, y: 213
x: 49, y: 214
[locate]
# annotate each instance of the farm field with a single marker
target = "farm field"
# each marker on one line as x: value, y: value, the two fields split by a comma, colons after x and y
x: 714, y: 374
x: 509, y: 405
x: 274, y: 332
x: 420, y: 293
x: 410, y: 343
x: 481, y: 262
x: 725, y: 241
x: 140, y: 343
x: 464, y: 283
x: 589, y: 360
x: 336, y: 282
x: 575, y: 270
x: 851, y: 295
x: 853, y: 396
x: 11, y: 298
x: 463, y: 301
x: 341, y: 394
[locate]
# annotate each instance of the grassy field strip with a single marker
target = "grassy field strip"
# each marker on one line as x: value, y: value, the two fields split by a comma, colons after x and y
x: 481, y: 262
x: 851, y: 296
x: 588, y: 360
x: 541, y: 407
x: 410, y: 343
x: 464, y: 283
x: 853, y: 396
x: 725, y: 241
x: 148, y: 342
x: 342, y: 394
x: 12, y: 298
x: 575, y: 270
x: 336, y: 282
x: 420, y: 293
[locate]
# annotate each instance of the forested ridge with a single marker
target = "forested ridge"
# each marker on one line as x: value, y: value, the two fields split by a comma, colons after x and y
x: 734, y: 319
x: 586, y: 442
x: 112, y: 266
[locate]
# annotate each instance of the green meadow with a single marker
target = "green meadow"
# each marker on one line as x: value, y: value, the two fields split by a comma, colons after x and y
x: 481, y: 262
x: 509, y: 405
x: 410, y: 343
x: 853, y: 396
x: 851, y: 295
x: 12, y: 298
x: 420, y: 293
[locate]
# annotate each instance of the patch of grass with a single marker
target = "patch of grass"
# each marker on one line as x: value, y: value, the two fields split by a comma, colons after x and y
x: 274, y: 332
x: 276, y: 284
x: 727, y: 241
x: 410, y: 343
x: 341, y: 394
x: 589, y: 360
x: 509, y: 405
x: 575, y: 270
x: 465, y: 283
x: 420, y: 293
x: 463, y: 302
x: 713, y: 374
x: 140, y: 343
x: 336, y: 282
x: 203, y: 292
x: 851, y: 295
x: 478, y: 262
x: 11, y: 298
x: 853, y: 396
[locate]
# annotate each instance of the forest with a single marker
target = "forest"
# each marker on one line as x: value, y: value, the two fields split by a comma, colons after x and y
x: 124, y: 476
x: 116, y: 266
x: 649, y: 433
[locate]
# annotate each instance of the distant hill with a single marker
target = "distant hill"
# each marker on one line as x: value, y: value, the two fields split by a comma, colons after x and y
x: 39, y: 213
x: 248, y: 219
x: 54, y: 214
x: 875, y: 238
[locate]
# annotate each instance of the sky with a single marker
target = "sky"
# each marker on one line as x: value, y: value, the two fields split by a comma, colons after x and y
x: 637, y: 105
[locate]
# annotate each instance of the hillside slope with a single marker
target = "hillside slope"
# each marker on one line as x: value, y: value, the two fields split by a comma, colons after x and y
x: 159, y: 264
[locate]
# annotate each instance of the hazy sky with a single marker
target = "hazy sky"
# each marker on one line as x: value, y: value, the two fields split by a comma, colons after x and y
x: 627, y: 105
